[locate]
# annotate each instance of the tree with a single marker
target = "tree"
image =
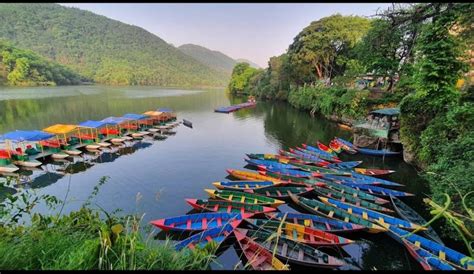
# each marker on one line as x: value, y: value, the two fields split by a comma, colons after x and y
x: 323, y: 46
x: 241, y: 75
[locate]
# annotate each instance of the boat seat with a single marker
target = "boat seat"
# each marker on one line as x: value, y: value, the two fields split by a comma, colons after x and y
x: 284, y: 249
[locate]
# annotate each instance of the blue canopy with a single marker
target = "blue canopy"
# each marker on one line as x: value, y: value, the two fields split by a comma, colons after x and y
x: 115, y: 120
x: 165, y: 110
x: 92, y: 124
x: 26, y: 135
x: 135, y: 116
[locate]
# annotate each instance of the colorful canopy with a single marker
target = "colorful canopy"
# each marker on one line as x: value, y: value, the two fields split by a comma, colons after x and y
x: 26, y: 135
x: 92, y: 124
x: 60, y: 129
x: 115, y: 120
x: 165, y: 110
x: 135, y: 116
x: 153, y: 113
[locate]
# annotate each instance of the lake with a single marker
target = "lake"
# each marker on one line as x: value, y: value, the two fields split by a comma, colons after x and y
x: 154, y: 177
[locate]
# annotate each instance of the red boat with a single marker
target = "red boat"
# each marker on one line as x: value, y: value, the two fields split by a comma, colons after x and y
x: 323, y: 147
x: 335, y: 146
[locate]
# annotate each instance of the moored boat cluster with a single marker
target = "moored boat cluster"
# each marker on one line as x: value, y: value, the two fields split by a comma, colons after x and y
x: 28, y: 148
x: 336, y: 199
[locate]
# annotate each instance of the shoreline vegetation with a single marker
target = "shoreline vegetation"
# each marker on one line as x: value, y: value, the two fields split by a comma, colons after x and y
x: 413, y: 56
x: 85, y: 239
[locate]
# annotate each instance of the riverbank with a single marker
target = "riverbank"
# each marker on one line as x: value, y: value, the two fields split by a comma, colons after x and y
x: 86, y: 239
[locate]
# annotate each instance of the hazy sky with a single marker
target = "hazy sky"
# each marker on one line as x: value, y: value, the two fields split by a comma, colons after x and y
x: 251, y: 31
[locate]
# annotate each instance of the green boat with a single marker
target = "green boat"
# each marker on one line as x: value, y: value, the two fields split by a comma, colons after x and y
x: 280, y: 192
x: 354, y: 192
x: 243, y: 197
x: 228, y: 206
x: 321, y: 209
x: 347, y: 198
x: 298, y: 180
x: 311, y: 168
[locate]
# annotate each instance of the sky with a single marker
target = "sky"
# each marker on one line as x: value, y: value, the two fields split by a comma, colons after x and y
x: 251, y: 31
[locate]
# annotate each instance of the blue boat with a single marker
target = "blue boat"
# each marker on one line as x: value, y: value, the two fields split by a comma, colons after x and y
x: 300, y: 150
x: 290, y: 172
x: 305, y: 156
x: 199, y: 221
x: 233, y: 108
x: 426, y: 259
x: 347, y: 143
x: 316, y: 222
x: 269, y: 164
x: 360, y: 179
x: 368, y: 214
x: 239, y: 185
x: 376, y: 190
x: 440, y: 251
x: 217, y: 235
x: 345, y: 165
x: 376, y: 152
x: 319, y: 151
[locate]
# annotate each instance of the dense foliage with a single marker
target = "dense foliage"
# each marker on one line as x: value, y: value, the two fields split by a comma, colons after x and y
x: 83, y: 239
x: 26, y: 68
x: 419, y: 50
x: 241, y: 76
x: 102, y: 49
x: 211, y: 58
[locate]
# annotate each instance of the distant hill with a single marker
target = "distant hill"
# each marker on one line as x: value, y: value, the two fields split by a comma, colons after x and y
x: 19, y: 67
x: 212, y: 58
x: 103, y: 49
x: 252, y: 64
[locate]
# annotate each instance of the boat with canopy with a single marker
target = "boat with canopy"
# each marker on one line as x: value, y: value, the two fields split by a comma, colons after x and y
x: 118, y: 129
x: 94, y: 138
x: 19, y: 146
x: 67, y: 139
x: 144, y: 122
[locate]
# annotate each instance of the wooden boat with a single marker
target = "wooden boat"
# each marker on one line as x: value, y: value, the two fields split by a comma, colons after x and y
x: 300, y: 233
x: 345, y: 127
x: 280, y: 192
x: 442, y: 252
x: 198, y: 222
x: 187, y: 123
x: 305, y: 157
x: 228, y: 206
x: 375, y: 190
x: 242, y: 185
x: 354, y: 192
x: 356, y: 178
x: 335, y: 146
x: 346, y: 146
x: 245, y: 175
x: 325, y: 148
x: 297, y: 181
x: 269, y: 157
x: 373, y: 172
x: 235, y: 107
x: 427, y: 260
x: 316, y: 222
x: 347, y: 198
x: 243, y: 197
x: 269, y: 164
x: 321, y: 154
x: 325, y: 210
x: 258, y: 257
x: 306, y: 154
x: 216, y: 235
x: 291, y: 172
x: 344, y: 165
x: 288, y: 250
x: 317, y: 151
x: 371, y: 214
x: 410, y: 215
x: 376, y: 152
x: 312, y: 168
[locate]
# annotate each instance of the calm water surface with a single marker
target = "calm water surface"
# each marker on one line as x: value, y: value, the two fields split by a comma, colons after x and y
x: 154, y: 177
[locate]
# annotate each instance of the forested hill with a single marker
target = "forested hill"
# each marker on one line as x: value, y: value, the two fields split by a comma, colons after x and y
x: 20, y: 67
x: 104, y: 50
x: 214, y: 59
